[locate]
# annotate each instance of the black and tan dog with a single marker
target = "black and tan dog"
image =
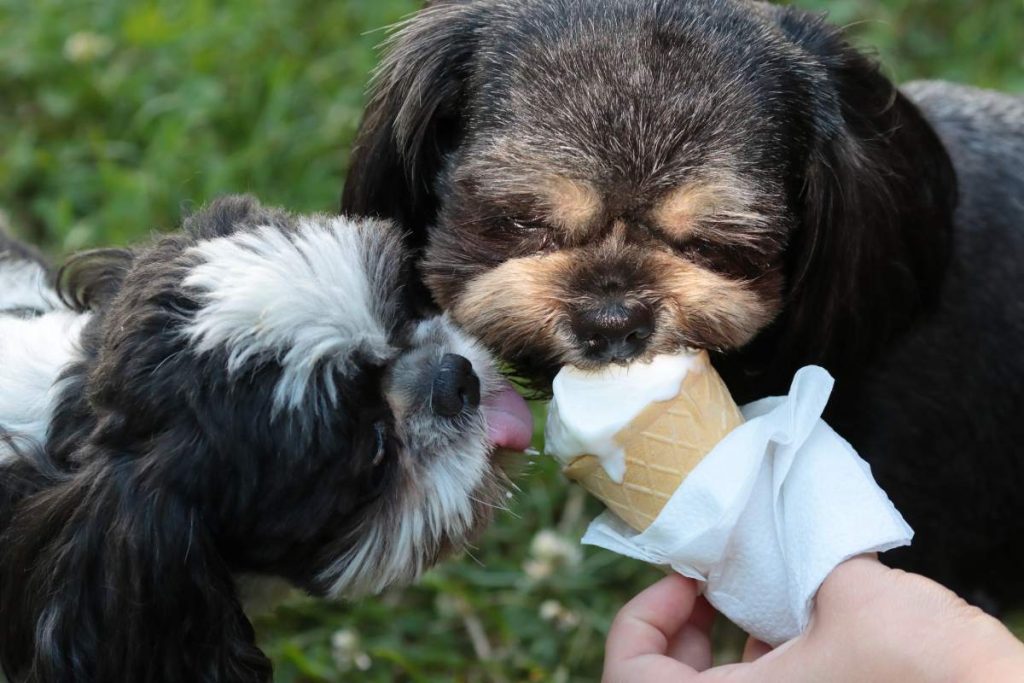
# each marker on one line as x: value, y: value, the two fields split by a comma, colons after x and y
x: 594, y: 181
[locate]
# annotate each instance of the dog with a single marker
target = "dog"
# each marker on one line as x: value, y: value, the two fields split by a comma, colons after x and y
x: 249, y: 396
x: 600, y: 181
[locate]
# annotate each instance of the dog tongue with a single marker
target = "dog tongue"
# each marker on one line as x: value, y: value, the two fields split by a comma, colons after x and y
x: 509, y: 422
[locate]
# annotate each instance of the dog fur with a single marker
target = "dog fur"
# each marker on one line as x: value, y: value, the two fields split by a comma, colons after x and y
x: 750, y: 183
x: 249, y: 396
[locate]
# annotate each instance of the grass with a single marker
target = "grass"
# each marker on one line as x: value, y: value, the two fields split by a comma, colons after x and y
x: 119, y: 114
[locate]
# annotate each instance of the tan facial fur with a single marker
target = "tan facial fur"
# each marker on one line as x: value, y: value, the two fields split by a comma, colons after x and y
x: 678, y: 213
x: 571, y: 204
x: 718, y: 311
x: 719, y: 209
x: 517, y: 305
x: 523, y: 305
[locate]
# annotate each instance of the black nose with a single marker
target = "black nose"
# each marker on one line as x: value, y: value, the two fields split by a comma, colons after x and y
x: 615, y: 331
x: 456, y: 387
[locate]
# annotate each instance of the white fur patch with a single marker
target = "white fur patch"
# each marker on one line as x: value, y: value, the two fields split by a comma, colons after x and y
x: 440, y: 503
x: 394, y: 552
x: 301, y: 297
x: 33, y: 352
x: 24, y: 284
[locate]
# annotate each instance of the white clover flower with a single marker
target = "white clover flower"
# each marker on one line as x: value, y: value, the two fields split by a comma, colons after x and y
x: 550, y: 609
x: 347, y: 652
x: 538, y: 570
x: 554, y: 611
x: 86, y: 46
x: 568, y: 620
x: 552, y: 547
x: 345, y: 641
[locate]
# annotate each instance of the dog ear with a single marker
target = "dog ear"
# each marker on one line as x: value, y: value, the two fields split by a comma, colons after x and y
x: 90, y: 279
x: 876, y: 207
x: 107, y: 577
x: 413, y: 119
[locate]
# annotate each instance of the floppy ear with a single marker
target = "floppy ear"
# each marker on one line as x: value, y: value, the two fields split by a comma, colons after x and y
x: 413, y: 119
x: 876, y: 207
x: 90, y: 279
x: 105, y: 577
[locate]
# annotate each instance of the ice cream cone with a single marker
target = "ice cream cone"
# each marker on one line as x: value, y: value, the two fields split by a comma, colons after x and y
x: 662, y: 445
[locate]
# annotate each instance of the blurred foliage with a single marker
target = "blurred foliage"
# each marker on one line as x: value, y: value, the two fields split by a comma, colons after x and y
x: 115, y: 115
x: 981, y: 43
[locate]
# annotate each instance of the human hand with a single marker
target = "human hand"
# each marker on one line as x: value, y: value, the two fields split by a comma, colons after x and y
x: 870, y: 623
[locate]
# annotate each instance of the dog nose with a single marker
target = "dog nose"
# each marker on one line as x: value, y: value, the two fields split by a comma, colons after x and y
x: 456, y: 387
x: 617, y: 331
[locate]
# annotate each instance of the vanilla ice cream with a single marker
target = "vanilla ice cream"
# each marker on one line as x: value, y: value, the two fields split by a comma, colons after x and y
x: 630, y: 435
x: 590, y: 408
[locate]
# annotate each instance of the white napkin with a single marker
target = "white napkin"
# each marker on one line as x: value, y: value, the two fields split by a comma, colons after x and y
x: 764, y: 517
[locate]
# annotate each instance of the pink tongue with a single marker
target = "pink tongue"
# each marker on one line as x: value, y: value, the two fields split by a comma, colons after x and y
x: 509, y: 422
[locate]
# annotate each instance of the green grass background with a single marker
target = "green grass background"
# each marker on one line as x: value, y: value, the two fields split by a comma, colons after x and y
x: 115, y: 115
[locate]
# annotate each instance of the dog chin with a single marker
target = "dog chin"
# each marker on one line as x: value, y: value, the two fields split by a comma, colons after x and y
x: 454, y: 476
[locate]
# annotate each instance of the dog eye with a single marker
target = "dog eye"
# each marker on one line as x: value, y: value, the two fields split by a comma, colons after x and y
x: 532, y: 236
x: 528, y: 225
x: 697, y: 246
x: 380, y: 443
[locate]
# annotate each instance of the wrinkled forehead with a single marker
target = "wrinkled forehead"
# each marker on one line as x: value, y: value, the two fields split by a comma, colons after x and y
x: 571, y: 190
x: 637, y: 92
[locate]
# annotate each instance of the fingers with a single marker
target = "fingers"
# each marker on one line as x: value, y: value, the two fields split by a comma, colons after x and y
x: 648, y: 622
x: 648, y: 669
x: 754, y: 650
x: 703, y: 615
x: 692, y: 643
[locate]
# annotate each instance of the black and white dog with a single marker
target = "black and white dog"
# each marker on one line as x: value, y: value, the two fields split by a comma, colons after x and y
x: 248, y: 396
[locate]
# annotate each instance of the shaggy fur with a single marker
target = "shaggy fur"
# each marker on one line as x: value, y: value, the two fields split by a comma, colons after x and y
x: 249, y: 396
x: 594, y: 181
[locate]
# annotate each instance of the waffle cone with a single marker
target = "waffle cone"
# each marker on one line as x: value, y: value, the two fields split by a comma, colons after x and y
x: 662, y: 445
